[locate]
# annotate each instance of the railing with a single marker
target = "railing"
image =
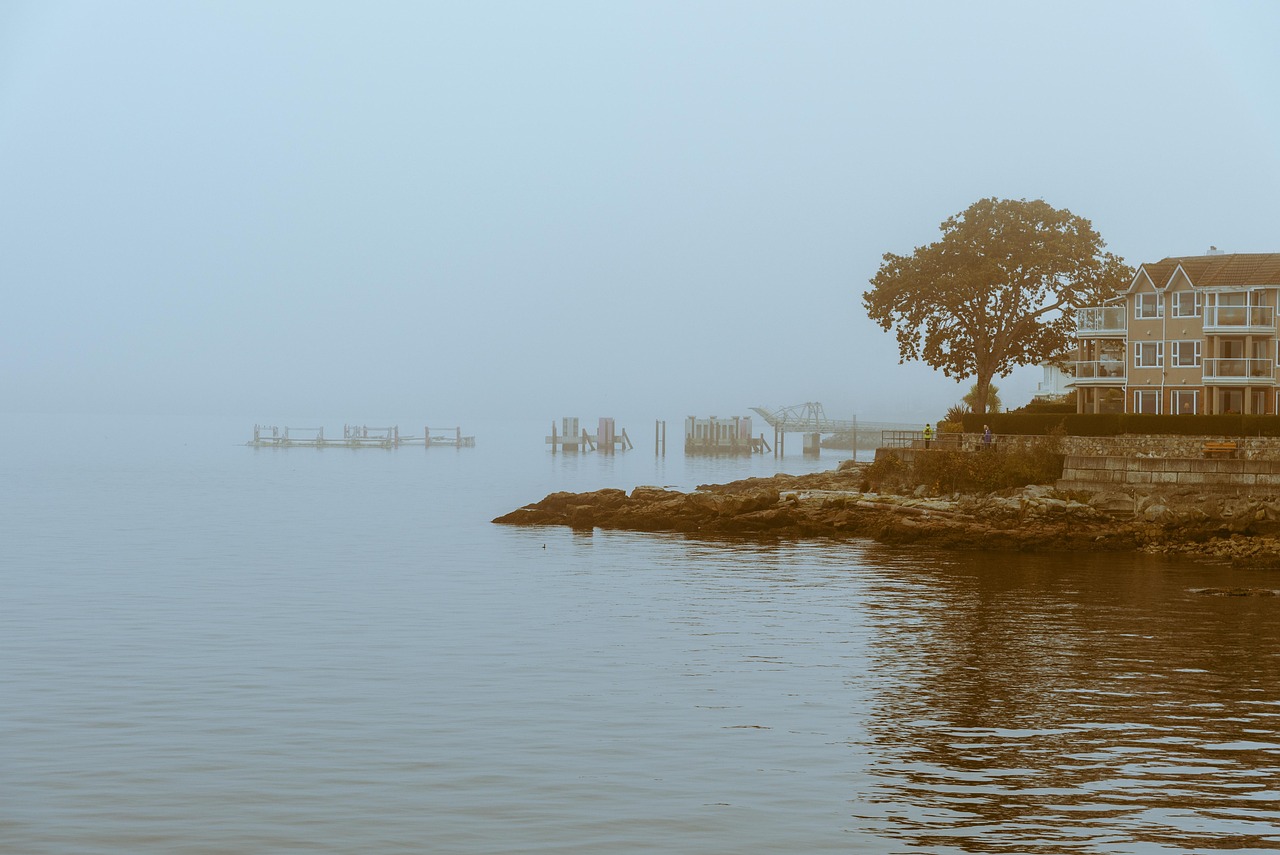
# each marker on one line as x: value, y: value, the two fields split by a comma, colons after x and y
x: 950, y: 441
x: 1237, y: 317
x: 1239, y: 369
x: 1097, y: 320
x: 1104, y: 369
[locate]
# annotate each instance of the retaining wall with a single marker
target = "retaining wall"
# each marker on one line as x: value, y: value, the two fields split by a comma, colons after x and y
x: 1084, y: 472
x: 1145, y: 463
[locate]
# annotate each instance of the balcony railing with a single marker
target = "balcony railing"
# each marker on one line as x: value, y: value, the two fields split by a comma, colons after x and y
x: 1239, y: 317
x: 1239, y: 370
x: 1104, y: 369
x: 1101, y: 320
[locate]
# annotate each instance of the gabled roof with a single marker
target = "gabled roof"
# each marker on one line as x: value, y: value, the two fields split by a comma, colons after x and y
x: 1238, y: 270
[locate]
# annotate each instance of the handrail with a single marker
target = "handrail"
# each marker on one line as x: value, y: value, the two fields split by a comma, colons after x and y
x: 1098, y: 319
x: 1254, y: 368
x: 1100, y: 368
x: 1239, y: 316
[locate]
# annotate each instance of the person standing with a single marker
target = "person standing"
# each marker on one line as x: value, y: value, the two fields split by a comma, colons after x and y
x: 928, y: 435
x: 986, y: 437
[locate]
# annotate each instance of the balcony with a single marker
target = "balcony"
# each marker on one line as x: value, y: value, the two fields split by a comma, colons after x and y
x: 1239, y: 319
x: 1099, y: 321
x: 1239, y: 372
x: 1104, y: 372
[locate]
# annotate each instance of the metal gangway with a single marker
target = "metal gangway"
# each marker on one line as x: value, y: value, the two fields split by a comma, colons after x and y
x: 811, y: 420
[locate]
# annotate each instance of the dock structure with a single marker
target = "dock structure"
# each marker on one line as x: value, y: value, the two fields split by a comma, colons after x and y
x: 354, y: 436
x: 730, y: 436
x: 808, y: 419
x: 811, y: 420
x: 573, y: 438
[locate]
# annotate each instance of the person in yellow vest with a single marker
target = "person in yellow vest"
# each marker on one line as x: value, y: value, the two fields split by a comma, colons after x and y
x: 928, y: 435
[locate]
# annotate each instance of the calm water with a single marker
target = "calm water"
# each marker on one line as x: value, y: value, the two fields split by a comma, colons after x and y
x: 212, y: 649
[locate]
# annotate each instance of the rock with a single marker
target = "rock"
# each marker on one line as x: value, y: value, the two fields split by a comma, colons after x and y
x: 829, y: 504
x: 1156, y: 513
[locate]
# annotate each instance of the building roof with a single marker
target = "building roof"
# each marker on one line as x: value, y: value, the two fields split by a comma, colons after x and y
x: 1235, y: 270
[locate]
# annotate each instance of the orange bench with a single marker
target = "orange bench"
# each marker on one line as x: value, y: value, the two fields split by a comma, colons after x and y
x: 1226, y: 449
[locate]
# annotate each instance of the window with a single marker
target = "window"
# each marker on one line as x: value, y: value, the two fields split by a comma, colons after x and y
x: 1186, y: 354
x: 1148, y: 354
x: 1186, y: 402
x: 1186, y: 304
x: 1258, y: 402
x: 1146, y: 401
x: 1148, y: 306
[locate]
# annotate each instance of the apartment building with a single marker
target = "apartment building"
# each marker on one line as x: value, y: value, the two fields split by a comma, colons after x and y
x: 1195, y: 334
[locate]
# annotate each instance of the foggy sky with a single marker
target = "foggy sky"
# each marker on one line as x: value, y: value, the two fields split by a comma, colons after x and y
x: 475, y: 210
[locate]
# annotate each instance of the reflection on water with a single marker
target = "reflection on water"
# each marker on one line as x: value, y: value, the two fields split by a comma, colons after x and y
x: 231, y: 651
x: 1062, y: 705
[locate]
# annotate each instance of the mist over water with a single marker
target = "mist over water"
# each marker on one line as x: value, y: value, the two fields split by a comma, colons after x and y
x: 508, y: 211
x: 216, y: 648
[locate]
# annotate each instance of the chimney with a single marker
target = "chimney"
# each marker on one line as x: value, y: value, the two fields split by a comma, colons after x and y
x: 1213, y: 250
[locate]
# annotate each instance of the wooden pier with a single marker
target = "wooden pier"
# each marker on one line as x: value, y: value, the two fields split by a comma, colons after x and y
x: 573, y: 438
x: 716, y: 436
x: 355, y: 436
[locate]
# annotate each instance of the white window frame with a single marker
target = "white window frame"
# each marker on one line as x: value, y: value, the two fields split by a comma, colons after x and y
x: 1137, y: 398
x: 1175, y: 407
x: 1196, y: 304
x: 1176, y: 354
x: 1139, y: 314
x: 1139, y: 347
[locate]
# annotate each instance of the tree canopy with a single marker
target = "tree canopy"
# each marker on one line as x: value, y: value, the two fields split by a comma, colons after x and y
x: 995, y: 292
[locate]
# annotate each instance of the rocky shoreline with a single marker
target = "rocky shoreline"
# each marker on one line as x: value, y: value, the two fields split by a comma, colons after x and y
x: 1241, y: 530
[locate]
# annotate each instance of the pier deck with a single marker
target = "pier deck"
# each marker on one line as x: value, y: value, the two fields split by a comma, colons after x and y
x: 355, y: 436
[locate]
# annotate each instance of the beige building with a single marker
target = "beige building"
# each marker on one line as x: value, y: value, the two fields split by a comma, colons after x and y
x: 1190, y: 335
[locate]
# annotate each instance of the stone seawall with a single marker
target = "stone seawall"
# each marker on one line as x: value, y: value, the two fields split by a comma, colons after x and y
x: 1164, y: 445
x: 1109, y: 472
x: 1140, y: 463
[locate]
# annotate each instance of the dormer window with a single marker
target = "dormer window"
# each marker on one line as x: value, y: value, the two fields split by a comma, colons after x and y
x: 1148, y: 306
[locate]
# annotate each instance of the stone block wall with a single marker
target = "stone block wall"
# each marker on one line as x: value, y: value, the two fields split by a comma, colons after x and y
x: 1146, y: 463
x: 1092, y: 472
x: 1250, y: 447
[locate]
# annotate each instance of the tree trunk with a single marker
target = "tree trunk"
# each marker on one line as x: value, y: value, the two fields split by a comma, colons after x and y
x: 982, y: 391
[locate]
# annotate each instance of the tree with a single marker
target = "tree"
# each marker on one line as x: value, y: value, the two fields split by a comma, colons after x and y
x: 995, y: 291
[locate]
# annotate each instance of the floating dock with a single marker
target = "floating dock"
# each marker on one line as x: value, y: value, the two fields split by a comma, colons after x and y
x: 355, y: 436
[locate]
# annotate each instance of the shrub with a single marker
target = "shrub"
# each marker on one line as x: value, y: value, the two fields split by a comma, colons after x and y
x: 949, y: 471
x: 886, y: 473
